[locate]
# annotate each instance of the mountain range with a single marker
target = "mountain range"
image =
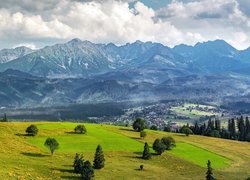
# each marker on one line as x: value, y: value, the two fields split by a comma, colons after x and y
x: 84, y: 72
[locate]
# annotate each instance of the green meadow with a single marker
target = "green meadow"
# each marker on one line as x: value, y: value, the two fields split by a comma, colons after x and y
x: 25, y: 157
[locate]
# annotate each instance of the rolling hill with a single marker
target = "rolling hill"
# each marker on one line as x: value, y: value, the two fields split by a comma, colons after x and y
x: 122, y: 148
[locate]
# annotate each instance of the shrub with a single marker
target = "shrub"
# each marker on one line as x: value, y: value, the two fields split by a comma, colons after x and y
x: 169, y: 142
x: 32, y: 130
x: 159, y: 147
x: 139, y: 125
x: 143, y: 134
x: 80, y: 129
x: 186, y: 130
x: 154, y: 127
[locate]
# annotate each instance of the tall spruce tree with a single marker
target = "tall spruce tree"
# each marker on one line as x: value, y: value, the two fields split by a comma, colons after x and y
x: 99, y: 158
x: 247, y: 136
x: 231, y: 128
x: 241, y: 128
x: 5, y: 118
x: 217, y: 125
x: 146, y: 153
x: 78, y: 163
x: 247, y: 125
x: 209, y: 173
x: 87, y: 171
x: 196, y: 129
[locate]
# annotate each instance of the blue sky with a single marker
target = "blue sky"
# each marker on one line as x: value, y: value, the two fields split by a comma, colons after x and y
x: 156, y: 4
x: 39, y: 23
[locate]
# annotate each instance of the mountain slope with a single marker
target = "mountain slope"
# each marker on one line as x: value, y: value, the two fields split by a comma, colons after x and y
x: 7, y: 55
x: 77, y: 58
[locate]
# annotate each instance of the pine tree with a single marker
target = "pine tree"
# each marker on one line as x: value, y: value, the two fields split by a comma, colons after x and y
x: 196, y: 129
x: 87, y: 171
x: 209, y: 173
x: 99, y: 158
x: 78, y: 163
x: 247, y: 134
x: 247, y: 125
x: 146, y: 153
x: 231, y: 128
x: 242, y: 128
x: 5, y: 118
x: 217, y: 125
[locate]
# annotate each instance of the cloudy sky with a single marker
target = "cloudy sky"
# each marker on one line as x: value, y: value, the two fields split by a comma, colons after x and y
x: 39, y: 23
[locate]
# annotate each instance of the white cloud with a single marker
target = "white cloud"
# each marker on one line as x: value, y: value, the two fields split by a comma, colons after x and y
x: 211, y: 19
x: 114, y: 21
x: 28, y: 45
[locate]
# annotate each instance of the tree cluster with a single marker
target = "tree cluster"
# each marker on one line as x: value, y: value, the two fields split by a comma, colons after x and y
x: 85, y: 168
x: 5, y: 119
x: 166, y: 143
x: 237, y: 129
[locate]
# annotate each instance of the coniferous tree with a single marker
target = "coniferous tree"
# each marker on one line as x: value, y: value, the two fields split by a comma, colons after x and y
x: 247, y: 134
x: 87, y: 172
x: 5, y: 118
x: 99, y: 158
x: 247, y: 125
x: 209, y: 173
x: 217, y: 125
x: 241, y: 128
x: 146, y: 153
x: 196, y: 129
x: 231, y: 128
x: 78, y: 163
x: 203, y: 129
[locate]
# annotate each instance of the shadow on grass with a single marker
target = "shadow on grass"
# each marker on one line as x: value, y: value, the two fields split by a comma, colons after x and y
x: 71, y: 171
x: 64, y: 170
x: 125, y: 129
x: 70, y: 177
x: 137, y: 138
x: 19, y: 134
x: 136, y: 155
x: 72, y: 132
x: 183, y: 135
x: 34, y: 154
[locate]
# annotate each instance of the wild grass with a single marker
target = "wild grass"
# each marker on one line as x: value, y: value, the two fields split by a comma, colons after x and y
x: 23, y: 157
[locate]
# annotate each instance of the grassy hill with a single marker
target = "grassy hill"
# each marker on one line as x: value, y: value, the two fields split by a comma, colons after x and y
x: 23, y: 157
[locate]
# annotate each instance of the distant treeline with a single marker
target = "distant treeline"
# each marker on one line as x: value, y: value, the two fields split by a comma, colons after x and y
x: 73, y: 112
x: 238, y: 129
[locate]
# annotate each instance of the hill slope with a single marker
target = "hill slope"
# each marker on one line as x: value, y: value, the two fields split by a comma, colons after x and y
x: 122, y: 149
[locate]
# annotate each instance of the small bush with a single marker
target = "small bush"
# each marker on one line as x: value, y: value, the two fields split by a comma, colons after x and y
x: 80, y: 129
x: 32, y: 130
x: 143, y: 134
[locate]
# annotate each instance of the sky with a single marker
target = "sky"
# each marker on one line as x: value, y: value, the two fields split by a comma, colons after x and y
x: 36, y: 24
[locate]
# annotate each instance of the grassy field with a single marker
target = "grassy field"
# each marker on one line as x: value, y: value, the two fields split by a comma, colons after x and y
x: 181, y: 110
x: 23, y: 157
